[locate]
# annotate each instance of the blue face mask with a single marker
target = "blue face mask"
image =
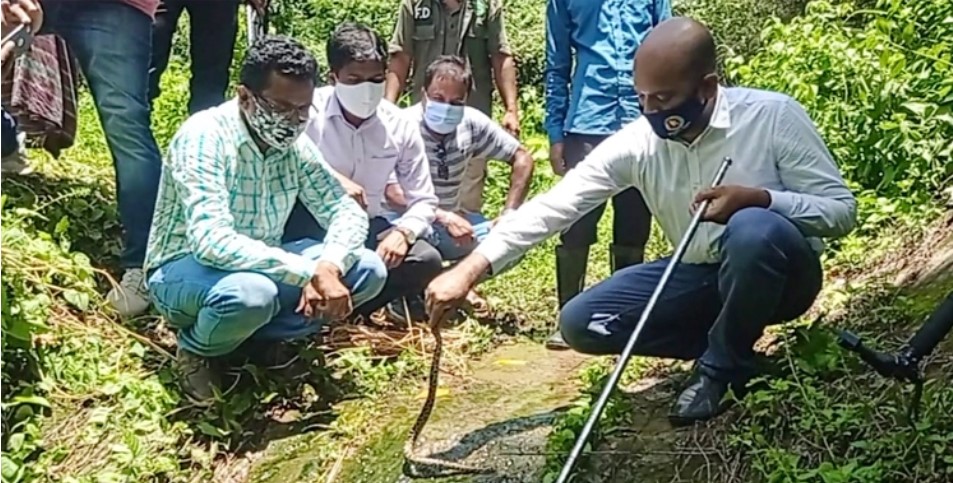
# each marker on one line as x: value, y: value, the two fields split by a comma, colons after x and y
x: 442, y: 118
x: 671, y: 122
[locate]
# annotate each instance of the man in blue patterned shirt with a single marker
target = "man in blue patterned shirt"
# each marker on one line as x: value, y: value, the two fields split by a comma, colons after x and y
x: 217, y: 270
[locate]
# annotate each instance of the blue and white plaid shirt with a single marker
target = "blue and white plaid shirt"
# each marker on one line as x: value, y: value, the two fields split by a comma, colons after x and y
x: 225, y: 203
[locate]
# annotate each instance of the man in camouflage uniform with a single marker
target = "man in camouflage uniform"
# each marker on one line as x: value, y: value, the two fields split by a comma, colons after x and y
x: 473, y: 30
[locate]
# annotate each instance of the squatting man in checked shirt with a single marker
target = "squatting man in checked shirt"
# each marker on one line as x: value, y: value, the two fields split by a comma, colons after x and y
x: 217, y: 269
x: 454, y: 135
x: 754, y: 263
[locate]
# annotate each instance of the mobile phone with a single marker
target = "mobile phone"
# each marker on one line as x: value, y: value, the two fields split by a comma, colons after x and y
x: 22, y: 38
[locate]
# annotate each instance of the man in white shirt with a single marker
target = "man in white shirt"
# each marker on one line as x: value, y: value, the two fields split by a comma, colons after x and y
x: 754, y: 263
x: 365, y: 141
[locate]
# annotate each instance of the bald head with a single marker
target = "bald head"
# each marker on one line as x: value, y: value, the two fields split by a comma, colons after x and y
x: 675, y: 77
x: 678, y: 46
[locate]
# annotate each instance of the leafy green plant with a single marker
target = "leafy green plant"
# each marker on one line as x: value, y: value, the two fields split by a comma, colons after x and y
x: 879, y: 84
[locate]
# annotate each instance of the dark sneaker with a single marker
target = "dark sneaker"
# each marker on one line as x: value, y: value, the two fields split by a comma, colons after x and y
x: 557, y: 343
x: 197, y: 376
x: 283, y: 359
x: 275, y: 356
x: 418, y: 310
x: 702, y: 399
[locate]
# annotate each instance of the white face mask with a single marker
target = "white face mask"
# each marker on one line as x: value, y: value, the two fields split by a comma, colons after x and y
x: 361, y: 99
x: 442, y: 118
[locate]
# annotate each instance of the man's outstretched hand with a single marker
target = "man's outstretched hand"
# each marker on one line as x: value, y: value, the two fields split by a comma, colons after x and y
x: 326, y: 296
x: 728, y: 200
x: 449, y: 290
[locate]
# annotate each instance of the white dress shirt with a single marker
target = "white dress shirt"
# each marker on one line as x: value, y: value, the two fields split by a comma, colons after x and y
x: 387, y: 143
x: 773, y: 145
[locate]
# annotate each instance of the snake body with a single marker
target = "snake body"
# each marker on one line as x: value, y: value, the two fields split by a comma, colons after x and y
x: 411, y: 459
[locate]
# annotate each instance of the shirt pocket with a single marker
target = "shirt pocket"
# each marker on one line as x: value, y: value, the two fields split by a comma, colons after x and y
x: 424, y: 32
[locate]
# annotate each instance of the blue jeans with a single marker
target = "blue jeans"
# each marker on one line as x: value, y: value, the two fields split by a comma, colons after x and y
x: 440, y: 238
x: 215, y: 310
x: 712, y: 312
x: 113, y: 43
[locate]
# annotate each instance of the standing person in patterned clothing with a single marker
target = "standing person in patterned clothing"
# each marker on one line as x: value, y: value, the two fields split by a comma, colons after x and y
x: 474, y: 30
x: 585, y: 104
x: 217, y: 271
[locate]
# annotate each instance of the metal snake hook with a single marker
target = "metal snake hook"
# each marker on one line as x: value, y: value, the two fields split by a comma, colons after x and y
x: 630, y: 346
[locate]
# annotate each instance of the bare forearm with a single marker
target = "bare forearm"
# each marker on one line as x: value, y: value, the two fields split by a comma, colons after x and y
x: 473, y: 268
x: 519, y: 179
x: 397, y: 72
x: 395, y: 197
x: 504, y: 70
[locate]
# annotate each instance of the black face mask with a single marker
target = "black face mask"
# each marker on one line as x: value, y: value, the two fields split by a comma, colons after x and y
x: 671, y: 122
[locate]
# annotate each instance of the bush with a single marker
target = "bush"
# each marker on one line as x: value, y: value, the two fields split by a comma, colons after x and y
x: 881, y: 93
x: 737, y: 25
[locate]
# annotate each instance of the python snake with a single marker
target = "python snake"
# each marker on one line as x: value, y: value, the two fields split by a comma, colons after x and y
x: 411, y: 459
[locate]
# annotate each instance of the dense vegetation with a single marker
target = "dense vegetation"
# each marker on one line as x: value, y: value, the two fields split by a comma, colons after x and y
x: 89, y: 398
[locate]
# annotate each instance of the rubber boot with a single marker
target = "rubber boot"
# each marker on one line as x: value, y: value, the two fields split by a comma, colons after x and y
x: 622, y: 256
x: 570, y: 280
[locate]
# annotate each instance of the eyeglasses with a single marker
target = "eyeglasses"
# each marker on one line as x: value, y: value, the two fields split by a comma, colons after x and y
x: 284, y: 111
x: 443, y: 171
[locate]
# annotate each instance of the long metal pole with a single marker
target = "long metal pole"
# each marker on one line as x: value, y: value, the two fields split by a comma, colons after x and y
x: 629, y: 347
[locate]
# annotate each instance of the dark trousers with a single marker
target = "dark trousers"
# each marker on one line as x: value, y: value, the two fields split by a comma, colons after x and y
x: 716, y: 312
x: 421, y: 265
x: 631, y: 222
x: 112, y: 42
x: 10, y: 142
x: 213, y: 25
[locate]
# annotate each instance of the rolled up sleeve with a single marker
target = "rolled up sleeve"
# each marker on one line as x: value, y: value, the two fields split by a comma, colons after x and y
x: 496, y: 29
x: 403, y: 38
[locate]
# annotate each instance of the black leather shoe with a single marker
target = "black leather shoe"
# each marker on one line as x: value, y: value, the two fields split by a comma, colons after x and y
x: 556, y: 342
x: 701, y: 400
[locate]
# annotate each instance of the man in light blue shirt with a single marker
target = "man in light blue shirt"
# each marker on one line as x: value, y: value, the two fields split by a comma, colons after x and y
x: 754, y: 262
x: 586, y: 103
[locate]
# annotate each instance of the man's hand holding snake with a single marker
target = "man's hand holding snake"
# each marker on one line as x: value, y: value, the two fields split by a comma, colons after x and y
x: 449, y: 290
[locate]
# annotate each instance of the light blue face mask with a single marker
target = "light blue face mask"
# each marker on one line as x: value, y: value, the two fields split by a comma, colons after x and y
x: 442, y: 118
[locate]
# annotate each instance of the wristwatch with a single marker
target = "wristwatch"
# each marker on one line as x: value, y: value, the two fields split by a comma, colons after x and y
x: 409, y: 236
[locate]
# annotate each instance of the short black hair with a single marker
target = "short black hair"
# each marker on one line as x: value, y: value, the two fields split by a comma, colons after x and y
x: 450, y: 66
x: 355, y: 42
x: 280, y: 54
